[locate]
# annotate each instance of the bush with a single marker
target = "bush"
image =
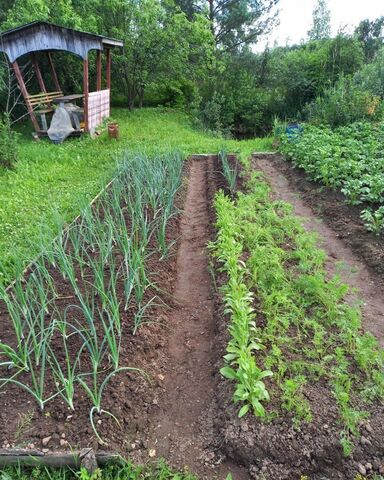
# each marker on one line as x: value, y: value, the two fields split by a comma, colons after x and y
x: 8, y: 143
x: 216, y: 115
x: 343, y: 104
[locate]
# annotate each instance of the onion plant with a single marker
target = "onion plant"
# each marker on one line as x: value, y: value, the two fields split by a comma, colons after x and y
x: 229, y: 173
x: 109, y: 244
x: 65, y: 376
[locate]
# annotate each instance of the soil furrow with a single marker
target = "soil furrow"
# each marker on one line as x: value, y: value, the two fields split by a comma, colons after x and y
x: 184, y: 424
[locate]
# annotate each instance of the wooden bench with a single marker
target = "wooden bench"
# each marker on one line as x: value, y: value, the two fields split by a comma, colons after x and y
x: 43, y: 100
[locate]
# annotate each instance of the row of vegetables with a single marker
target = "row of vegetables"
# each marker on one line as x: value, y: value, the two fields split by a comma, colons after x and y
x: 349, y: 158
x: 68, y: 316
x: 291, y: 327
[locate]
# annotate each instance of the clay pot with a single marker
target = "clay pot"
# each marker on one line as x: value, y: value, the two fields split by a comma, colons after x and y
x: 113, y: 130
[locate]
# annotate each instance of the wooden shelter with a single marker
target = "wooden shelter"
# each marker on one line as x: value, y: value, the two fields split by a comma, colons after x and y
x: 45, y: 37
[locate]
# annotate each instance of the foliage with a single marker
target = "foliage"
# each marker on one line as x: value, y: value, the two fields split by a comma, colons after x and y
x: 371, y: 76
x: 370, y: 34
x: 304, y: 330
x: 230, y: 172
x: 241, y: 365
x: 234, y: 24
x: 278, y: 82
x: 348, y: 158
x: 127, y: 471
x: 321, y: 27
x: 163, y: 49
x: 8, y: 143
x: 344, y: 103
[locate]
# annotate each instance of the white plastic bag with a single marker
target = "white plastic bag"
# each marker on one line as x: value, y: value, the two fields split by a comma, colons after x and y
x: 61, y: 125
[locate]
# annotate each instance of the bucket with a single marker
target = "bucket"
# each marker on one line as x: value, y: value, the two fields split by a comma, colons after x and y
x: 113, y: 130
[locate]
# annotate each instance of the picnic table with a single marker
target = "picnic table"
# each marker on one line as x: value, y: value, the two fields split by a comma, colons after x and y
x: 75, y: 111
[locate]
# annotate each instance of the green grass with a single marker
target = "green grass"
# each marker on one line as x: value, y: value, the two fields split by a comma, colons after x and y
x: 50, y: 179
x: 128, y: 471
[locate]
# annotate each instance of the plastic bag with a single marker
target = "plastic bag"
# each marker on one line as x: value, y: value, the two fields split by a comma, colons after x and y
x: 61, y: 125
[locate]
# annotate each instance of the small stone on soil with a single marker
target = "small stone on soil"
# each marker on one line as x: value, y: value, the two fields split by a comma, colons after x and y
x: 152, y: 453
x: 362, y: 469
x: 45, y: 441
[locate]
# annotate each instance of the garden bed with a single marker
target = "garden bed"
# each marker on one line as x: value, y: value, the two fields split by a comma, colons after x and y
x: 283, y: 445
x: 128, y: 395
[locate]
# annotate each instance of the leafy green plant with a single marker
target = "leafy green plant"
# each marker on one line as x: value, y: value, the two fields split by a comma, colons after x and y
x: 349, y: 159
x: 9, y: 147
x: 373, y: 219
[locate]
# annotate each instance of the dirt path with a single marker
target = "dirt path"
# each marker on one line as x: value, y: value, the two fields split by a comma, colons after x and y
x: 184, y: 425
x: 341, y: 258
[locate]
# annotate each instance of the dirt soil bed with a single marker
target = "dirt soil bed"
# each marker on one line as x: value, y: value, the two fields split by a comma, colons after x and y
x: 276, y: 449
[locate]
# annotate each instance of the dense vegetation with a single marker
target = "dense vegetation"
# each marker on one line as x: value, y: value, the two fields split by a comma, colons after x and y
x: 199, y: 56
x: 349, y: 158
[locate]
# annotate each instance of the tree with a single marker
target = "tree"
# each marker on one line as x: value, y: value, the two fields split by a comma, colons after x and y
x: 370, y: 34
x: 55, y: 11
x: 321, y: 27
x: 234, y: 23
x: 161, y: 46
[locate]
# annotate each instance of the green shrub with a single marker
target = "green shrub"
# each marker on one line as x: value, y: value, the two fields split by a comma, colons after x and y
x: 344, y: 103
x: 8, y: 143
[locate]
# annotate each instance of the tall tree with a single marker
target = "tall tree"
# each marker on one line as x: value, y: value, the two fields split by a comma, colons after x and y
x: 371, y: 34
x: 321, y: 18
x: 235, y: 23
x: 161, y: 46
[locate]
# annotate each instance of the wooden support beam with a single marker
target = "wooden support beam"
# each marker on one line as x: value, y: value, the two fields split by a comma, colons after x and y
x: 98, y: 70
x: 108, y: 68
x: 24, y: 92
x: 53, y: 72
x: 86, y: 92
x: 37, y: 70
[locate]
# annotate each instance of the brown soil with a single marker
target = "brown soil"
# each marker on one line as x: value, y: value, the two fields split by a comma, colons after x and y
x: 352, y: 252
x: 184, y: 424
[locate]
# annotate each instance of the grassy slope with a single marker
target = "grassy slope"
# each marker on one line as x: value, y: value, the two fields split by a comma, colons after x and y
x: 54, y: 178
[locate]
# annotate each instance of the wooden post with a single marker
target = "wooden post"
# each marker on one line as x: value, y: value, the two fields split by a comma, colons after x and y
x: 24, y: 91
x: 86, y: 92
x: 108, y: 68
x: 53, y: 71
x: 98, y: 70
x: 38, y: 73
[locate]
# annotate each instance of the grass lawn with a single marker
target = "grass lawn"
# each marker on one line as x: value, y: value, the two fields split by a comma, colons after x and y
x: 53, y: 179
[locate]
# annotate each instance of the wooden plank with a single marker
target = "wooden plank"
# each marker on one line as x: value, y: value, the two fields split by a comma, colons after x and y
x: 86, y: 92
x: 98, y: 70
x: 24, y: 92
x: 53, y: 71
x: 108, y: 54
x: 38, y: 73
x: 72, y: 459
